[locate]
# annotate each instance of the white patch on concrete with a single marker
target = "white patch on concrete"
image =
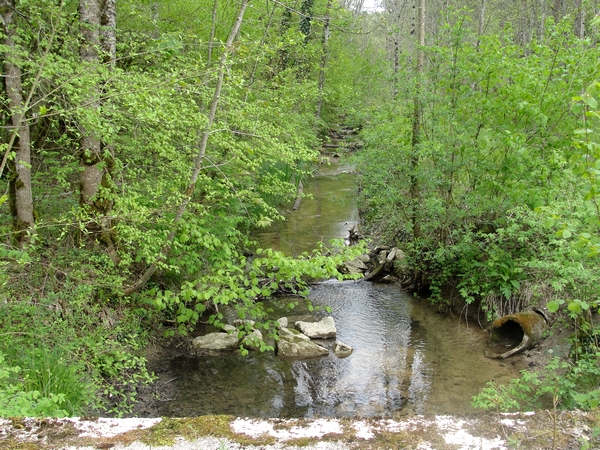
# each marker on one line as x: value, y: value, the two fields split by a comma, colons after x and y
x: 448, y: 423
x: 424, y: 446
x: 110, y: 427
x: 363, y: 430
x: 251, y: 427
x: 466, y: 441
x: 315, y: 429
x: 408, y: 424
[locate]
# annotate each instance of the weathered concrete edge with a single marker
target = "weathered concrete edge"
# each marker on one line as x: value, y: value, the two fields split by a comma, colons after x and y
x: 489, y: 431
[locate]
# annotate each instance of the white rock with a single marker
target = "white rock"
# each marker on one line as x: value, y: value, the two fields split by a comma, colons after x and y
x: 324, y: 329
x: 292, y: 344
x: 342, y: 350
x: 216, y: 342
x: 253, y: 340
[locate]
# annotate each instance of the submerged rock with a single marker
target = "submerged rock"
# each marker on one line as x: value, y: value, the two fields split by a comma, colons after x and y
x: 324, y: 329
x: 293, y: 344
x: 216, y: 342
x: 342, y: 350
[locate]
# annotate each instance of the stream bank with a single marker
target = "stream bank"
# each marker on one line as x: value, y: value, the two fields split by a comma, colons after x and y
x: 408, y: 357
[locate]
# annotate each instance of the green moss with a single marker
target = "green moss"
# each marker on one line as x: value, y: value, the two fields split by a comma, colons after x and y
x: 302, y: 442
x: 165, y: 432
x: 389, y: 440
x: 16, y: 445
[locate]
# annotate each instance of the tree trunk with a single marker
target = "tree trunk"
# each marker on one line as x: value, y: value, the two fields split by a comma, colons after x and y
x: 524, y: 30
x: 395, y: 10
x: 580, y: 19
x: 213, y: 27
x: 481, y: 20
x: 199, y: 159
x: 97, y: 20
x: 415, y: 193
x: 542, y: 22
x: 90, y: 178
x: 108, y: 31
x: 21, y: 197
x: 558, y: 10
x: 324, y: 57
x: 108, y: 41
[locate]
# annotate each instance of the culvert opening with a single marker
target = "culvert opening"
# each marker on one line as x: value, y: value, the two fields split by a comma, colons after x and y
x: 509, y: 334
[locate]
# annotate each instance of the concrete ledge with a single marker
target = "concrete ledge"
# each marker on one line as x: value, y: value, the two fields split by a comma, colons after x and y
x: 490, y: 431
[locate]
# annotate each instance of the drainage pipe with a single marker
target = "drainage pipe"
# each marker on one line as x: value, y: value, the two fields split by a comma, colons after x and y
x: 524, y: 330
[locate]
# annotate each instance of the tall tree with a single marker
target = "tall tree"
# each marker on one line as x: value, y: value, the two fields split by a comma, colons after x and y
x: 580, y: 19
x: 90, y: 147
x: 324, y: 56
x: 98, y: 32
x: 415, y: 193
x: 558, y: 9
x: 395, y: 9
x: 21, y: 197
x: 213, y: 28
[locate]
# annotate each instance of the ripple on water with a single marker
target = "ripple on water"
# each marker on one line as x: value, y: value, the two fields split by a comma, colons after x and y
x: 407, y: 359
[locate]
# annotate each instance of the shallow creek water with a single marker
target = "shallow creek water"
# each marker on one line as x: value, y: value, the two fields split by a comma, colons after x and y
x: 407, y: 359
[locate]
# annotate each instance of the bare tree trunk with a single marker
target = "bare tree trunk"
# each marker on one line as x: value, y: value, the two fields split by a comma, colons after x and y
x: 524, y: 30
x: 108, y: 31
x: 580, y: 20
x: 213, y: 28
x: 90, y: 178
x: 357, y: 6
x: 415, y: 193
x: 108, y: 40
x: 395, y: 8
x: 542, y: 22
x: 481, y: 24
x: 324, y: 57
x: 199, y: 159
x: 21, y: 197
x: 97, y: 19
x: 558, y: 10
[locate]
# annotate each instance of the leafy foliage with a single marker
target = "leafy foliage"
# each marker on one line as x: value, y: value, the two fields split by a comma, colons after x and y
x: 149, y: 111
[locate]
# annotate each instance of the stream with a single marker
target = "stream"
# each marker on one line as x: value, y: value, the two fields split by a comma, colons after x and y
x: 407, y: 358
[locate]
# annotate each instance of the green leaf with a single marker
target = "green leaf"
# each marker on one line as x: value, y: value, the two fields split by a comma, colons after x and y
x: 553, y: 306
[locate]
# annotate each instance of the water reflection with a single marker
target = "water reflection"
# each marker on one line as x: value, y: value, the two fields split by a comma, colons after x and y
x: 406, y: 359
x: 328, y: 214
x: 376, y: 380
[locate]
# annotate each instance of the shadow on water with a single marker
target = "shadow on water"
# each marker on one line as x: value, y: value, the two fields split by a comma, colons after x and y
x: 407, y: 358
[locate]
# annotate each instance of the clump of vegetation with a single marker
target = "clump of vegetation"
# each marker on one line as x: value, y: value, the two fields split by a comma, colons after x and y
x: 138, y: 156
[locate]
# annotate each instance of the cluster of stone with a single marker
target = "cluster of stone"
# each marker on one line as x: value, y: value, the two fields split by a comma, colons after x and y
x: 306, y: 340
